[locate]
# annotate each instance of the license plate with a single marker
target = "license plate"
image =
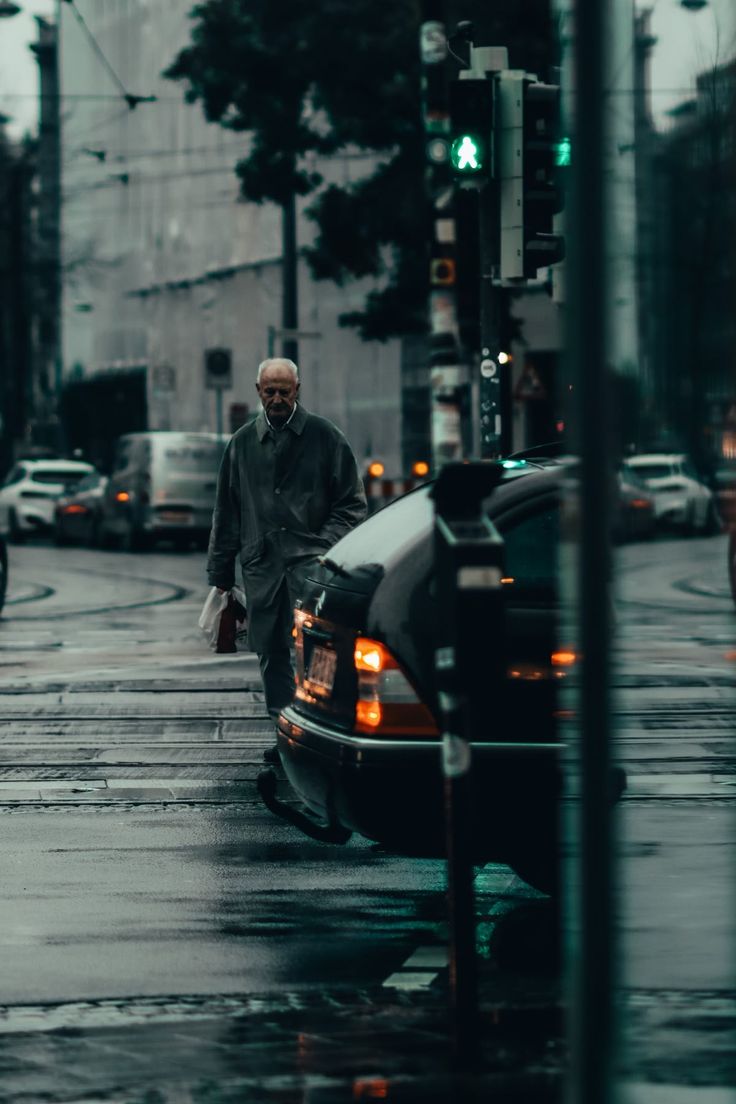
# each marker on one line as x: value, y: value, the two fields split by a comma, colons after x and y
x: 322, y: 668
x: 175, y: 518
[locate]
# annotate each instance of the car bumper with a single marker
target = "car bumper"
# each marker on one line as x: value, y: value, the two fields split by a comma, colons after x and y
x: 35, y: 517
x: 672, y: 513
x: 392, y: 790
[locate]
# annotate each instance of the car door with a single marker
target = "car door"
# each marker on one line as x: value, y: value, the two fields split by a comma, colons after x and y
x: 531, y: 546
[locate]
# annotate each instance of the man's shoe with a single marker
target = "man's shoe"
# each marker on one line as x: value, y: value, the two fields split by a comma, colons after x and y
x: 271, y: 755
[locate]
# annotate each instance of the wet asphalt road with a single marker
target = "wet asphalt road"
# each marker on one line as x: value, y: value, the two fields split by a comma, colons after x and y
x: 164, y: 934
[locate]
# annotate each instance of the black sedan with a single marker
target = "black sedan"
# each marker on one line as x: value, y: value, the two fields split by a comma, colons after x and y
x: 360, y: 743
x: 77, y: 513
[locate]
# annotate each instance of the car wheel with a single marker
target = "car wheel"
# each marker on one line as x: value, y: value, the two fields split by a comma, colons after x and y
x: 690, y: 525
x: 3, y: 574
x: 732, y: 564
x: 100, y: 537
x: 60, y: 537
x: 134, y: 540
x: 713, y: 523
x: 15, y: 533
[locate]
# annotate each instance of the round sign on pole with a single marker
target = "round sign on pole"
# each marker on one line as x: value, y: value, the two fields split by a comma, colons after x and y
x: 218, y: 369
x: 432, y: 42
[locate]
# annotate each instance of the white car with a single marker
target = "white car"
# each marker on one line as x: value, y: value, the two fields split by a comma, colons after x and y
x: 30, y: 491
x: 680, y: 497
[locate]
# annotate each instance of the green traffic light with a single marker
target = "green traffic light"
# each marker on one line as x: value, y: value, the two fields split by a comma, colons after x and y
x: 467, y: 154
x: 562, y: 153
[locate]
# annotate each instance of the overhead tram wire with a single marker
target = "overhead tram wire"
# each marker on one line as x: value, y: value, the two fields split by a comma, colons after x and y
x: 131, y: 99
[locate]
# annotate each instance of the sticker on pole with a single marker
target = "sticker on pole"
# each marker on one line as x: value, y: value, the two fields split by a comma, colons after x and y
x: 455, y: 756
x: 432, y: 42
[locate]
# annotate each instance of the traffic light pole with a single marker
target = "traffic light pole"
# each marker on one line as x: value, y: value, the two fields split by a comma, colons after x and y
x: 475, y: 122
x: 448, y: 375
x: 495, y: 389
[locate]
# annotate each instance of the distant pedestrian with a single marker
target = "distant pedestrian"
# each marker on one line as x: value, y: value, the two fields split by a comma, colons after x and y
x: 288, y: 489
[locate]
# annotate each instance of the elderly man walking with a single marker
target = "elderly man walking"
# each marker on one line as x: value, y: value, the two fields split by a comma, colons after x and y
x: 288, y: 489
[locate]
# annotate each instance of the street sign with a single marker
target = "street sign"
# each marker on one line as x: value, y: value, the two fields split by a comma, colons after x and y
x: 529, y: 385
x: 218, y: 369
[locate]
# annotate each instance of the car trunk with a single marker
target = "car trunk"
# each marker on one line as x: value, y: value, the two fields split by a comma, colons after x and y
x: 333, y: 609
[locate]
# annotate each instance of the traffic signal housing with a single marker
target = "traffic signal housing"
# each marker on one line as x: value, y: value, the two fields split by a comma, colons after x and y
x: 542, y: 192
x: 528, y: 148
x: 471, y: 129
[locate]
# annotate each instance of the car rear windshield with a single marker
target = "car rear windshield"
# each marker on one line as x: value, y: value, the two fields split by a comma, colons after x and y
x: 651, y: 471
x: 389, y: 531
x: 193, y: 458
x: 58, y: 475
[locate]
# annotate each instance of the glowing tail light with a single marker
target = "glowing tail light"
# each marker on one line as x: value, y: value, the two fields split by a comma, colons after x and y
x: 122, y: 496
x: 387, y: 702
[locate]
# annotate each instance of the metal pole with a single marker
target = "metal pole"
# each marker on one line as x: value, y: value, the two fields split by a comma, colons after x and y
x: 592, y: 951
x: 465, y: 541
x: 218, y: 411
x: 494, y: 420
x: 448, y: 376
x: 456, y: 765
x: 290, y: 274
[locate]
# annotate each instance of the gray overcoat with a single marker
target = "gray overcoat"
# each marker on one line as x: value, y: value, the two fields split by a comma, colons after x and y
x: 283, y: 498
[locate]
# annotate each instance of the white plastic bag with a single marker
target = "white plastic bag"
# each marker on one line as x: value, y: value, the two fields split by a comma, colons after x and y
x: 214, y: 604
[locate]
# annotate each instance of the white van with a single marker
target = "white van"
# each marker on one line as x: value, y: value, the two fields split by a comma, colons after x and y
x: 162, y: 486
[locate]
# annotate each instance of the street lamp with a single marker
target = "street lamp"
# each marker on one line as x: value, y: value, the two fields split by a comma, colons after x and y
x: 7, y: 9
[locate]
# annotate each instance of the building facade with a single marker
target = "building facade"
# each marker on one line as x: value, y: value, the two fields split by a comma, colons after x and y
x: 161, y: 261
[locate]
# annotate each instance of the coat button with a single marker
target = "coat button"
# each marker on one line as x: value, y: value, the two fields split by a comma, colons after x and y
x: 278, y: 490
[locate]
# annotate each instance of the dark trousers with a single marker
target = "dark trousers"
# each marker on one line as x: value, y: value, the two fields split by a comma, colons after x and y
x: 275, y: 659
x: 270, y: 601
x: 277, y: 673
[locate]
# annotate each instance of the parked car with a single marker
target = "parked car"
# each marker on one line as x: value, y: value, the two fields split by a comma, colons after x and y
x: 360, y: 743
x: 724, y: 487
x: 29, y: 493
x: 634, y: 509
x: 162, y: 486
x: 77, y: 514
x: 681, y: 499
x: 3, y: 571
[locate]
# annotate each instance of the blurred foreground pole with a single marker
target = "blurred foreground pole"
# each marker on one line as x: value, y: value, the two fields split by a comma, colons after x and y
x: 448, y: 376
x: 592, y: 901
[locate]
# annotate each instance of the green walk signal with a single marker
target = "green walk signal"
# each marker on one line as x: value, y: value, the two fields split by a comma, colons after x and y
x: 562, y: 153
x: 467, y: 154
x: 471, y: 130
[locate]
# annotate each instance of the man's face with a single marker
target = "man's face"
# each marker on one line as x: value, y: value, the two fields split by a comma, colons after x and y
x: 278, y: 391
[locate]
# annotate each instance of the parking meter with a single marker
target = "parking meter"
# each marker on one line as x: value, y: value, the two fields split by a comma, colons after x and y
x: 469, y: 550
x: 469, y: 670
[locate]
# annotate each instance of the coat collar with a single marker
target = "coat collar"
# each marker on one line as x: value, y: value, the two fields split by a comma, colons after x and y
x: 296, y: 425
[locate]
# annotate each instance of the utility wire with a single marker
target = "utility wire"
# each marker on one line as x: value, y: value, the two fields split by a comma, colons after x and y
x: 130, y: 98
